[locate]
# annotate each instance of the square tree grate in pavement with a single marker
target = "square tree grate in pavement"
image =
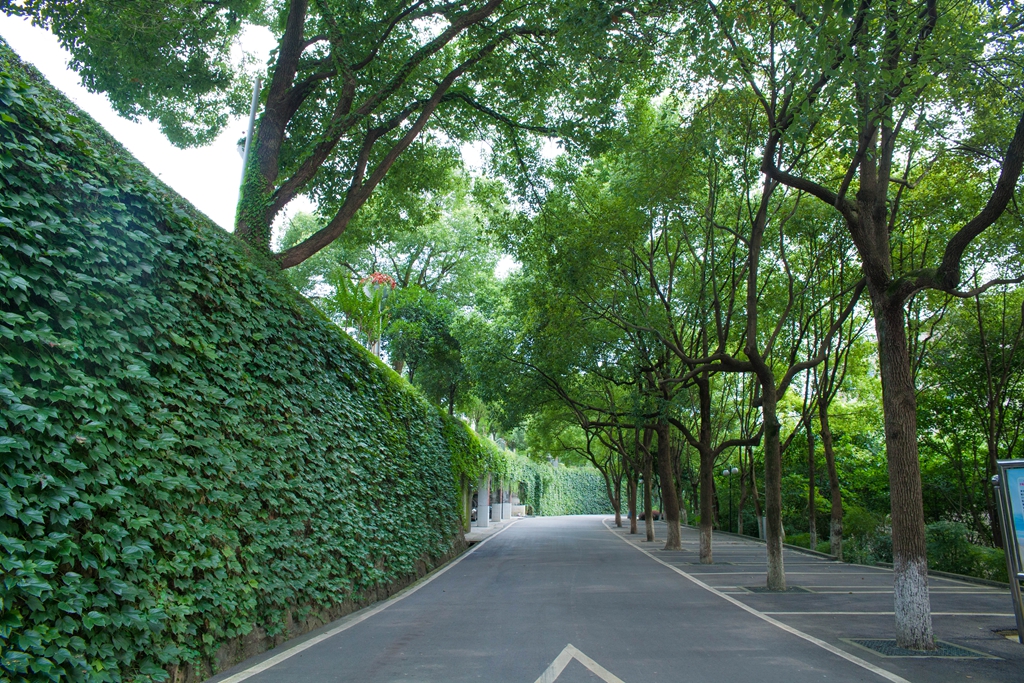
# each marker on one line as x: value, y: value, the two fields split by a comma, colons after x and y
x: 765, y: 589
x: 888, y: 648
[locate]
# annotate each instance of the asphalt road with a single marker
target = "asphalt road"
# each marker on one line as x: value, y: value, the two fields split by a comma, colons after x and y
x: 565, y: 599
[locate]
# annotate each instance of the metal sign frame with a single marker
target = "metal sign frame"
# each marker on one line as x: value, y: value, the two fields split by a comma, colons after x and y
x: 1009, y: 490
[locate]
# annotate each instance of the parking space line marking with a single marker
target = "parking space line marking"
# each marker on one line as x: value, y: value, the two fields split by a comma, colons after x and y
x: 888, y: 675
x: 700, y: 573
x: 932, y: 592
x: 934, y: 614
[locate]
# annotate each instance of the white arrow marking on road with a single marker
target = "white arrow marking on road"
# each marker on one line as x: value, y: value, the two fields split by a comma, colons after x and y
x: 567, y: 655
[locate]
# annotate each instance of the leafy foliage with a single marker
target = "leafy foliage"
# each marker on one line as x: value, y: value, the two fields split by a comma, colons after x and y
x: 431, y: 238
x: 559, y: 490
x: 189, y: 450
x: 168, y: 61
x: 361, y: 304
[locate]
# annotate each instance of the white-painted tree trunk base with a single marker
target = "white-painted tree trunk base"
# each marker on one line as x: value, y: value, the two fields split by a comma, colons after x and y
x: 912, y: 605
x: 836, y: 540
x: 776, y: 567
x: 706, y: 556
x: 675, y: 537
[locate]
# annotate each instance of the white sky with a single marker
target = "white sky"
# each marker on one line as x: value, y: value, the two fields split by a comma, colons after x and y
x: 206, y: 176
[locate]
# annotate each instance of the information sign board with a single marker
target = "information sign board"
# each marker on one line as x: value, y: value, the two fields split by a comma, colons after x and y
x: 1014, y: 478
x: 1009, y: 487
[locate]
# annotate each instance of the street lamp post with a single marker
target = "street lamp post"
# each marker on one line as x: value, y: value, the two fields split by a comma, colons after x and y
x: 726, y: 473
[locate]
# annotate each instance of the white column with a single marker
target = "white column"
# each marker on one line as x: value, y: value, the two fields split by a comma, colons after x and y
x: 483, y: 499
x: 496, y: 508
x: 506, y: 505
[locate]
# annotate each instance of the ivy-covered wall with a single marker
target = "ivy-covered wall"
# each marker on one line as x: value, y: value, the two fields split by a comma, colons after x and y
x: 560, y: 490
x: 189, y: 452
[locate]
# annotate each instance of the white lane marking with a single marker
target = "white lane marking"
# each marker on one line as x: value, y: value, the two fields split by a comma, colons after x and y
x: 887, y: 675
x: 357, y: 617
x: 864, y: 585
x: 834, y: 573
x: 568, y: 654
x: 888, y: 592
x: 934, y: 614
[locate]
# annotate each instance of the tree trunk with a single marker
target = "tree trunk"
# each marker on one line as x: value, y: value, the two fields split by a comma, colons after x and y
x: 467, y: 506
x: 631, y: 496
x: 677, y: 474
x: 716, y: 506
x: 758, y: 512
x: 707, y: 471
x: 669, y: 501
x: 707, y: 503
x: 648, y: 506
x: 812, y: 488
x: 992, y: 468
x: 743, y: 496
x: 899, y: 404
x: 617, y: 503
x: 836, y: 521
x: 253, y: 217
x: 773, y: 486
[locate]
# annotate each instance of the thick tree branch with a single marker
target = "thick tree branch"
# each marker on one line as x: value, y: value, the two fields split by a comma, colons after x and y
x: 358, y: 193
x: 948, y: 275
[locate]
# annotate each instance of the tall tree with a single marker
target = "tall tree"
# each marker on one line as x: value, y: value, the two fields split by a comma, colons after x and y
x: 972, y: 403
x: 354, y: 85
x: 874, y: 84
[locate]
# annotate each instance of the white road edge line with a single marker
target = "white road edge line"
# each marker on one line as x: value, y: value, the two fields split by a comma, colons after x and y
x: 358, y: 617
x: 934, y: 614
x: 567, y: 655
x: 888, y: 675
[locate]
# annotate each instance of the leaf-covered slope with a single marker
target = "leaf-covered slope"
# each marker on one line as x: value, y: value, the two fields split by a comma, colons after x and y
x: 188, y: 450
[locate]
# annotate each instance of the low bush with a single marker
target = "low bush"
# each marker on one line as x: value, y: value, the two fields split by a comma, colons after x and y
x: 858, y: 521
x: 950, y: 551
x: 802, y: 540
x: 990, y: 563
x: 948, y: 548
x: 868, y: 549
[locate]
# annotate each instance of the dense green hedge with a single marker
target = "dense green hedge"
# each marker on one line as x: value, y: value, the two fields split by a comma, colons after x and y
x: 188, y: 449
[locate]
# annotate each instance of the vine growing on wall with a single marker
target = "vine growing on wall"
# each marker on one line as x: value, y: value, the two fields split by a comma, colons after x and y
x: 189, y: 450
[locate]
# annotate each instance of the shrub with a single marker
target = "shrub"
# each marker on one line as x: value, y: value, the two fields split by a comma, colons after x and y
x: 860, y: 522
x: 948, y: 548
x: 802, y: 540
x: 869, y: 549
x: 990, y: 563
x: 950, y: 551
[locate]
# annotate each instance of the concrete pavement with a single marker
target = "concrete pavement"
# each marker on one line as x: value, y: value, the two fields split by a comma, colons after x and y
x: 569, y: 599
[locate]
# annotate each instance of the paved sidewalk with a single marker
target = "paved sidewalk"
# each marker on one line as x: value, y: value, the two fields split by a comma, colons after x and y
x: 477, y: 534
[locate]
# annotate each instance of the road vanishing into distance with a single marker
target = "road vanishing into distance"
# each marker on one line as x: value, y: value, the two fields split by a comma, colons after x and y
x: 572, y: 599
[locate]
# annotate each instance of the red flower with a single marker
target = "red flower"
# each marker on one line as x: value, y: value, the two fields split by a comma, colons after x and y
x: 379, y: 280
